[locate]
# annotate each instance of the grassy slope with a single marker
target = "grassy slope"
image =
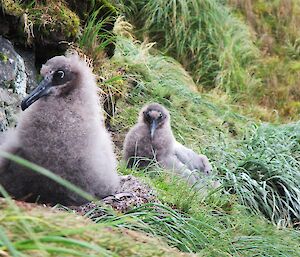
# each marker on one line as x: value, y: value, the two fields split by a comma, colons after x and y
x: 216, y: 225
x: 250, y: 51
x: 276, y: 28
x: 38, y: 231
x: 250, y: 158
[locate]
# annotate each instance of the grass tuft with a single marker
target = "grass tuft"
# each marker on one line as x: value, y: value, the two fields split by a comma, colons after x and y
x: 266, y: 172
x: 94, y: 38
x: 203, y: 36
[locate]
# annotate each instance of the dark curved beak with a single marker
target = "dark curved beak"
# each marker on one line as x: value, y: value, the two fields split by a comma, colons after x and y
x: 153, y: 127
x: 41, y: 90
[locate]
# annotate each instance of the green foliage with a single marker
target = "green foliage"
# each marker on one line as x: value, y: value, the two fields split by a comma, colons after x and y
x: 94, y: 39
x: 276, y: 26
x: 38, y: 231
x: 203, y: 36
x: 205, y: 230
x: 260, y: 165
x: 264, y: 172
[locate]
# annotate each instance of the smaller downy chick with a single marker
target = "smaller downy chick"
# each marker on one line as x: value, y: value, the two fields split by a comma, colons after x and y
x: 152, y: 139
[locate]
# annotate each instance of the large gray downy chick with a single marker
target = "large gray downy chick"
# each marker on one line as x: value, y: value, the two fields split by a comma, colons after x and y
x: 61, y: 129
x: 152, y: 139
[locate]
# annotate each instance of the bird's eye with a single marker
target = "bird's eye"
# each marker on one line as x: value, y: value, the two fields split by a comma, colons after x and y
x: 59, y: 77
x: 160, y: 116
x: 60, y: 74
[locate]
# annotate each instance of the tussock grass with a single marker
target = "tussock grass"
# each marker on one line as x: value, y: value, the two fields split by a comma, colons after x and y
x: 205, y: 230
x: 259, y: 163
x: 203, y: 36
x: 266, y: 174
x: 275, y: 24
x: 163, y: 222
x: 216, y: 225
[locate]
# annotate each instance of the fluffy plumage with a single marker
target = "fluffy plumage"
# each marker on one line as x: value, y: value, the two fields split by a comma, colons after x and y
x: 152, y: 139
x: 62, y: 130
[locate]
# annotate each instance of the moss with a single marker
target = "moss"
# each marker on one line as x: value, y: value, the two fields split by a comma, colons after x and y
x: 3, y: 57
x: 41, y: 22
x: 11, y: 7
x: 55, y: 17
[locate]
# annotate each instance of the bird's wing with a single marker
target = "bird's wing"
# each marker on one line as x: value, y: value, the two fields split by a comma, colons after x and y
x: 171, y: 162
x: 191, y: 159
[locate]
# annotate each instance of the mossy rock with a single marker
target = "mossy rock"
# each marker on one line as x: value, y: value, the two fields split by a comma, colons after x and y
x: 46, y: 19
x: 39, y: 24
x: 51, y: 24
x: 11, y: 7
x: 54, y: 21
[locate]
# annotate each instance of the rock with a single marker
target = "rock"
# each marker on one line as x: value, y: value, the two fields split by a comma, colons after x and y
x: 30, y: 70
x: 12, y: 69
x: 9, y: 103
x: 16, y: 78
x: 132, y: 193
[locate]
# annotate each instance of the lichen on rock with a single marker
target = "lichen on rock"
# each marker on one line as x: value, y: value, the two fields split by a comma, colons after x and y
x: 12, y: 72
x: 16, y: 75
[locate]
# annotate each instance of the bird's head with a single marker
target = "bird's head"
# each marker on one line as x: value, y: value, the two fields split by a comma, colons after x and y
x: 58, y: 73
x: 155, y: 116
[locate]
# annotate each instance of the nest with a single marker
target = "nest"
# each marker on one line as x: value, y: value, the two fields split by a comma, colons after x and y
x: 132, y: 193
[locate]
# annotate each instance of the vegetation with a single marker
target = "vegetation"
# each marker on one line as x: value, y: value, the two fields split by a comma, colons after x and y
x: 220, y: 51
x: 275, y: 25
x: 252, y: 160
x: 203, y: 36
x: 28, y: 230
x: 36, y: 19
x: 256, y: 211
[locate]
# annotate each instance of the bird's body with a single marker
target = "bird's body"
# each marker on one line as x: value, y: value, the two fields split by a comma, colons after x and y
x: 143, y: 144
x: 140, y: 147
x: 63, y: 132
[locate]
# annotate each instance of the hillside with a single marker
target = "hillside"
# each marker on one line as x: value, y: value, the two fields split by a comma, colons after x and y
x: 219, y: 100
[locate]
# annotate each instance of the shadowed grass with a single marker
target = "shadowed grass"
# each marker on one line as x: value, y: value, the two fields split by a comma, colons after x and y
x: 95, y: 38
